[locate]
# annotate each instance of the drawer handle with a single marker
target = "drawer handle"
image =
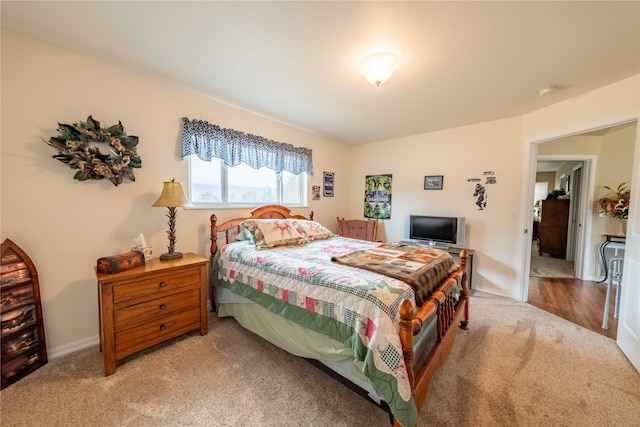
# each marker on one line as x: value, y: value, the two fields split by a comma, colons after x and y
x: 162, y: 307
x: 162, y: 284
x: 163, y: 327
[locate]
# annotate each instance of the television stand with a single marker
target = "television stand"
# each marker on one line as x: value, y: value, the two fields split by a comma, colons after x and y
x: 453, y: 250
x: 455, y: 253
x: 427, y: 243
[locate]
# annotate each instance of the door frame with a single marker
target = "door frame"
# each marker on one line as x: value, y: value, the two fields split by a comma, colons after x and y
x: 628, y: 336
x: 575, y: 252
x: 528, y: 187
x: 583, y: 239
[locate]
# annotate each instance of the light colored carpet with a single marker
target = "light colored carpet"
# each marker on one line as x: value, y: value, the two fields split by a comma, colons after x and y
x: 515, y: 366
x: 547, y: 266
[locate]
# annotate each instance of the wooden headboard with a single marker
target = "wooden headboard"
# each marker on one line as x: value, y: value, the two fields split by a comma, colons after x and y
x: 264, y: 212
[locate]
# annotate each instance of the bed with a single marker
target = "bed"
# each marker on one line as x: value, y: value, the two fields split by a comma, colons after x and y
x: 381, y: 317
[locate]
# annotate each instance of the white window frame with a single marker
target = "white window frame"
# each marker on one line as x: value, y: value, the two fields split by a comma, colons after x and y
x: 224, y: 182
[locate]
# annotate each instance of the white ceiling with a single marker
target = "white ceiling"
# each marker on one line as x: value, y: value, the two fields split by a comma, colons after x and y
x: 463, y: 62
x: 549, y: 165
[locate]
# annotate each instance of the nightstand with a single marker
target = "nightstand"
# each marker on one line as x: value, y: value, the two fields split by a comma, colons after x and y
x: 150, y: 304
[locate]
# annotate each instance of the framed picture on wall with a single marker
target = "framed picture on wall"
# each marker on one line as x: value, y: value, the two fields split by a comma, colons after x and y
x: 329, y: 179
x: 433, y: 182
x: 565, y: 181
x: 315, y: 192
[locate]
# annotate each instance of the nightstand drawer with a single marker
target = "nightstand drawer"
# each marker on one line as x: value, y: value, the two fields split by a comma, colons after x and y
x: 160, y: 307
x: 158, y: 284
x: 148, y: 334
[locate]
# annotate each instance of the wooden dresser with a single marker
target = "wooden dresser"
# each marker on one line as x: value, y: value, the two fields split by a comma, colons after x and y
x: 147, y: 305
x: 553, y: 228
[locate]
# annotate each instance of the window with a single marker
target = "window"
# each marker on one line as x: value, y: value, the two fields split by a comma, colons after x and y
x: 229, y: 167
x: 214, y: 183
x: 541, y: 191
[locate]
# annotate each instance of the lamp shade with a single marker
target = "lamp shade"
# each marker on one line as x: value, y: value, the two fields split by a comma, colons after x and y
x: 172, y: 196
x: 377, y: 67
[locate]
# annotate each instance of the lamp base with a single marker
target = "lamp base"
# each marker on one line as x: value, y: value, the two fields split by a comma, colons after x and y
x: 170, y: 255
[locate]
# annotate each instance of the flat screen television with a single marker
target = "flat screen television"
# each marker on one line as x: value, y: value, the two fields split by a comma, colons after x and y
x: 437, y: 230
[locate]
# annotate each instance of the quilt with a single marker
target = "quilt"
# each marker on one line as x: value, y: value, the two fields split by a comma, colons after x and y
x: 422, y: 268
x: 356, y: 307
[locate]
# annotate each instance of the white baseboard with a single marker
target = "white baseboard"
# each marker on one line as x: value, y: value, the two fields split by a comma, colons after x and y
x: 54, y: 353
x: 492, y: 292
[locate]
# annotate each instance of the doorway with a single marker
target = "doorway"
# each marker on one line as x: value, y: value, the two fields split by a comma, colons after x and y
x: 559, y: 251
x: 585, y: 230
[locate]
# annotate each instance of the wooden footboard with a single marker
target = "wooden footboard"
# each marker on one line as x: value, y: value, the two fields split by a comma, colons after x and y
x: 448, y: 315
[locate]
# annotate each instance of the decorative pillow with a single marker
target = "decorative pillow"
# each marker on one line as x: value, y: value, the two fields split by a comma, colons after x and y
x: 313, y: 230
x: 269, y: 233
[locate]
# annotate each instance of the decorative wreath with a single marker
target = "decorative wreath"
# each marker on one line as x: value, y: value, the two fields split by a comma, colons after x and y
x: 78, y: 146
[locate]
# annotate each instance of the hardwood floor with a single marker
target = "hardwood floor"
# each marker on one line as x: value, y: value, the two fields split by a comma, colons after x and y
x: 579, y: 301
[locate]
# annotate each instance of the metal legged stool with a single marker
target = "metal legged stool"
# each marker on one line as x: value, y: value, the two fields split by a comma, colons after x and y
x: 615, y: 277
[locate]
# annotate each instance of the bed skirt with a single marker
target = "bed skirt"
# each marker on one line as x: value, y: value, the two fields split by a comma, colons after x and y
x: 309, y: 344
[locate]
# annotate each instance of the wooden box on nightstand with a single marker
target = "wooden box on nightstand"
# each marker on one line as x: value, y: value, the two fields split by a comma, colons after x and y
x: 147, y: 305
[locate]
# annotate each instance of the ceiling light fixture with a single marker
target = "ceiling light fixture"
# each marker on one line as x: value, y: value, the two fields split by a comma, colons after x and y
x: 378, y: 66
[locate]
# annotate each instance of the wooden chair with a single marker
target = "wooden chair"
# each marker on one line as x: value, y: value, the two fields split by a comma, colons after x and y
x: 358, y: 228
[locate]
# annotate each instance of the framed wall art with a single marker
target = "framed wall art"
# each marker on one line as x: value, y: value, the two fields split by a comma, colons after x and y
x: 433, y: 182
x: 315, y: 192
x: 377, y: 196
x: 328, y: 178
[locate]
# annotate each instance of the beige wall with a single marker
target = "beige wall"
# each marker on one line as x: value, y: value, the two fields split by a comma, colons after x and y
x: 459, y: 155
x: 615, y: 168
x: 66, y: 225
x: 549, y: 178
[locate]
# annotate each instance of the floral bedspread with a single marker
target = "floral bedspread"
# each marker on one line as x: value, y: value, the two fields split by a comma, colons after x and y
x: 422, y: 268
x: 356, y: 307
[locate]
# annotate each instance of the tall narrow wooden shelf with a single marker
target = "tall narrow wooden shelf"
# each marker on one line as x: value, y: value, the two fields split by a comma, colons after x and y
x: 23, y: 344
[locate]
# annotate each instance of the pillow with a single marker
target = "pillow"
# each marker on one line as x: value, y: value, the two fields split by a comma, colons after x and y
x: 244, y: 234
x: 313, y: 230
x: 269, y: 233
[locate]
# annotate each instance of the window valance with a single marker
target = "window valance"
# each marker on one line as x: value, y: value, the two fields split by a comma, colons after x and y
x: 207, y: 141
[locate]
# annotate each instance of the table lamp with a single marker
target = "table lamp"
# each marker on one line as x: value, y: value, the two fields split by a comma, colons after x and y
x: 172, y: 197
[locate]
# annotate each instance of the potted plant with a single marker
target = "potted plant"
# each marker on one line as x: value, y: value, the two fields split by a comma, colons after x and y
x: 615, y: 204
